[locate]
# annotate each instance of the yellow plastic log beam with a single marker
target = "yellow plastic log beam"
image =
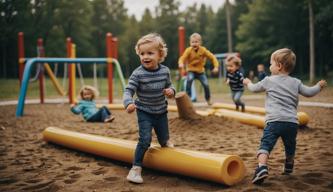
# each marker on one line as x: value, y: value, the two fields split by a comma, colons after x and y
x: 249, y: 109
x: 225, y: 169
x: 256, y: 120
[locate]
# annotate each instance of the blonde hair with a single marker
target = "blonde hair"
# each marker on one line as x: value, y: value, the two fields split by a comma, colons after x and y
x: 91, y: 89
x: 153, y: 38
x: 234, y: 60
x: 196, y: 35
x: 286, y: 57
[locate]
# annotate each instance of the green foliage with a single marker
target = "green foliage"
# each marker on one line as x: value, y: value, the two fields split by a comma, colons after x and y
x: 258, y: 28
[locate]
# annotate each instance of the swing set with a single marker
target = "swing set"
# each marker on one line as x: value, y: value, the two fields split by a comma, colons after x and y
x: 70, y: 63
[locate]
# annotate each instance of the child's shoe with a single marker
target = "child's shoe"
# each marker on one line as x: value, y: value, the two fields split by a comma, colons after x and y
x: 243, y: 108
x: 169, y: 144
x: 209, y: 102
x: 110, y: 119
x: 288, y: 168
x: 237, y: 107
x: 134, y: 175
x: 260, y: 175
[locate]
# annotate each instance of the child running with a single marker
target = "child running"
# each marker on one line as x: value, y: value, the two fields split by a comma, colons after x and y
x: 195, y: 56
x: 282, y: 93
x: 235, y: 80
x: 151, y: 82
x: 87, y: 107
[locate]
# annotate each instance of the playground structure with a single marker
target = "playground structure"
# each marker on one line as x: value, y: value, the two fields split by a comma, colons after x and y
x: 225, y: 169
x: 25, y: 65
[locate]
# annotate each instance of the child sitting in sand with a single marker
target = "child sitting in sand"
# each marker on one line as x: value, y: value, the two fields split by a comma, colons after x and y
x: 235, y: 80
x: 87, y: 107
x: 151, y: 82
x: 282, y: 93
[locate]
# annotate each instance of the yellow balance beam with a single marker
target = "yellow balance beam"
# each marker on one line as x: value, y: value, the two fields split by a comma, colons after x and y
x: 225, y: 169
x: 250, y: 109
x: 256, y: 120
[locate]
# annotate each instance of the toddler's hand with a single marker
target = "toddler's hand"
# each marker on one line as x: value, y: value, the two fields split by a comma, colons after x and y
x: 227, y: 81
x: 215, y: 70
x: 130, y: 108
x: 180, y: 65
x: 246, y: 81
x: 168, y: 92
x: 72, y: 105
x: 322, y: 84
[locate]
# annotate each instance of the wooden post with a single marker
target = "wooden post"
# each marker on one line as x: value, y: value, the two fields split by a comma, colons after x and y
x: 185, y: 107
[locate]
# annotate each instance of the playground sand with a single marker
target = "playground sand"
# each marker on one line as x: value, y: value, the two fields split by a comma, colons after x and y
x: 27, y: 163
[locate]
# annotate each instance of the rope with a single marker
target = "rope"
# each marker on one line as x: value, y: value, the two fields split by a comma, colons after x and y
x: 55, y: 69
x: 95, y: 76
x: 37, y: 73
x: 80, y: 74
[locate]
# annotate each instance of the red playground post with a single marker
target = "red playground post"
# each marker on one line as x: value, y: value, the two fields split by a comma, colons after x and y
x: 181, y: 47
x: 115, y: 47
x: 21, y: 55
x: 109, y: 64
x: 41, y: 53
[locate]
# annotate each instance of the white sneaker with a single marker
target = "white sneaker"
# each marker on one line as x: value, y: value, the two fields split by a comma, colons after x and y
x: 134, y: 175
x: 169, y: 144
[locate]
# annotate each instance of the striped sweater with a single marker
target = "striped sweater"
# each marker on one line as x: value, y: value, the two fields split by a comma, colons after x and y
x: 236, y: 81
x: 148, y: 86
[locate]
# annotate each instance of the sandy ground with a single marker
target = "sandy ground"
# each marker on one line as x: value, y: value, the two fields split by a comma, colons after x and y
x: 27, y: 163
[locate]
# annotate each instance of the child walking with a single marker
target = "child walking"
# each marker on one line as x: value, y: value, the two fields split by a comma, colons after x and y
x: 151, y: 82
x: 261, y: 72
x: 87, y: 107
x: 235, y: 80
x: 195, y: 56
x: 282, y: 93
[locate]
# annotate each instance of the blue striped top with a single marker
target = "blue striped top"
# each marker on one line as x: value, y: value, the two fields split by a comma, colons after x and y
x: 236, y: 81
x: 148, y: 86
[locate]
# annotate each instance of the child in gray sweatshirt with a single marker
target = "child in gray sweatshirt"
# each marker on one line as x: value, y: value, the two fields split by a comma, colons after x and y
x: 281, y: 103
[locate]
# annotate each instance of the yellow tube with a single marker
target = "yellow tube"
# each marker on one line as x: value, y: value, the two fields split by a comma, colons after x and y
x: 54, y: 80
x: 251, y: 109
x: 245, y: 118
x: 303, y: 118
x: 226, y: 169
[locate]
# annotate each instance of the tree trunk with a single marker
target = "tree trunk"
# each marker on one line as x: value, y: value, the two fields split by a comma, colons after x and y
x: 312, y: 43
x: 185, y: 107
x: 229, y: 28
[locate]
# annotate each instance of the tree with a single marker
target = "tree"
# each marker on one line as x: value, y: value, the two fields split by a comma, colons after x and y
x: 147, y: 23
x: 264, y: 29
x: 167, y: 15
x: 312, y: 42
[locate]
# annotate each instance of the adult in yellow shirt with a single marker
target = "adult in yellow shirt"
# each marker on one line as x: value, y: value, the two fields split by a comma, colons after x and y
x: 195, y: 57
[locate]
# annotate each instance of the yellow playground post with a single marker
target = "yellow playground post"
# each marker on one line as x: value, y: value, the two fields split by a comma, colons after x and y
x: 225, y: 169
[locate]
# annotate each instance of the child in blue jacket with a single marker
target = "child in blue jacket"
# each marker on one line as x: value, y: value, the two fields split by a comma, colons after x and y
x: 87, y: 107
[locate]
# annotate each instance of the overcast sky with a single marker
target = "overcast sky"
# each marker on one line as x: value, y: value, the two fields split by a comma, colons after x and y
x: 137, y: 7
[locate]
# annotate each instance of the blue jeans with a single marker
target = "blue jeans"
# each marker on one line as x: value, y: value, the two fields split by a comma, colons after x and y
x: 236, y: 97
x: 146, y: 123
x: 273, y: 130
x: 203, y: 80
x: 102, y: 114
